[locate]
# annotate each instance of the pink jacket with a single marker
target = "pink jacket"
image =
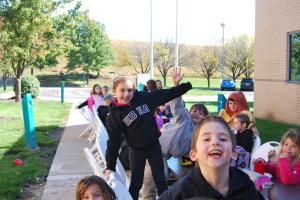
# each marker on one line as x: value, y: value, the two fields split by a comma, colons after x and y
x: 285, y: 171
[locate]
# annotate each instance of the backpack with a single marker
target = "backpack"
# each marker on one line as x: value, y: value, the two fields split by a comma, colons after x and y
x: 243, y: 158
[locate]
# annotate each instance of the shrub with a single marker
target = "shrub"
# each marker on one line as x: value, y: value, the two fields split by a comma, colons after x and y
x: 30, y: 84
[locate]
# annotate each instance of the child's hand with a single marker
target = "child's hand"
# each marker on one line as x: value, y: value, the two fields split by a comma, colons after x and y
x: 106, y: 172
x: 271, y: 155
x: 284, y: 155
x: 176, y: 75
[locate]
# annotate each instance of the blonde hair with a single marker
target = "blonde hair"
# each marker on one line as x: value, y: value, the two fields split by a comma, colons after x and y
x: 216, y: 119
x: 85, y: 183
x: 294, y: 135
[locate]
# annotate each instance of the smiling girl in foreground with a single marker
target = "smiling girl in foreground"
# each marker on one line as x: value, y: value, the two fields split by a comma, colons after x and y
x: 212, y: 148
x: 132, y: 114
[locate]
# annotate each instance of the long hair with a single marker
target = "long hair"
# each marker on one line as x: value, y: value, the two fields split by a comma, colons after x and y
x: 294, y: 135
x: 85, y: 183
x: 93, y: 92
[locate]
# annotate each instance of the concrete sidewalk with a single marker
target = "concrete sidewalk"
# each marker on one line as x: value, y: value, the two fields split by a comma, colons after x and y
x: 69, y: 164
x: 7, y: 95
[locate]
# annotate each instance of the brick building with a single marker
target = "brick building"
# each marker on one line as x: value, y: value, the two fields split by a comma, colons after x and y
x: 277, y: 60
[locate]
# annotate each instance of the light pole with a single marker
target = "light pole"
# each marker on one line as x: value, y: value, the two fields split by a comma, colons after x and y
x: 151, y: 44
x: 176, y: 54
x: 222, y: 56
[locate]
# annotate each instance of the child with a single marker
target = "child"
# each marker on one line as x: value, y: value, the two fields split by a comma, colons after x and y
x: 132, y: 114
x: 286, y: 167
x: 151, y: 85
x: 212, y: 148
x: 94, y: 187
x: 158, y: 84
x: 176, y: 138
x: 96, y: 98
x: 237, y: 104
x: 244, y: 136
x: 105, y: 90
x: 104, y: 109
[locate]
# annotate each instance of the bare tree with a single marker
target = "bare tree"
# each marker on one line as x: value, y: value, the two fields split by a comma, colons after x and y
x: 249, y: 62
x: 236, y: 56
x: 206, y: 61
x: 165, y: 57
x: 140, y: 57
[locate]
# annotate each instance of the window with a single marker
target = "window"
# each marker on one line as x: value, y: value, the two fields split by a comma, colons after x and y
x: 294, y: 57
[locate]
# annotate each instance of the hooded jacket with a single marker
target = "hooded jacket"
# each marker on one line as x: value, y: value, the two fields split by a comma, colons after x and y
x: 176, y: 135
x: 242, y: 107
x: 194, y: 186
x: 136, y: 121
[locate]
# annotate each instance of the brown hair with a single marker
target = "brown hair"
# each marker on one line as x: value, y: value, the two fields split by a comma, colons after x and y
x: 294, y: 135
x: 216, y: 119
x: 105, y: 87
x: 85, y: 183
x: 244, y: 119
x: 119, y: 79
x: 199, y: 106
x: 94, y: 89
x: 151, y: 85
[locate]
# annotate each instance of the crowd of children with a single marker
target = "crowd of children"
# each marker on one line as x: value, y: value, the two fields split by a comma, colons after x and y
x: 212, y: 142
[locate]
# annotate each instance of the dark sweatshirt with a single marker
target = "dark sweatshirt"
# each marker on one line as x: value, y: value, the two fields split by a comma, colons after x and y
x: 137, y: 122
x: 194, y: 186
x: 245, y: 139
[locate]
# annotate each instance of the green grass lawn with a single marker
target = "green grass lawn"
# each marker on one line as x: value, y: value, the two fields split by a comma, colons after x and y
x: 48, y: 116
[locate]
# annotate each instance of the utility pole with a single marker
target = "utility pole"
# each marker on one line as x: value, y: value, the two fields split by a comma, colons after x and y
x: 222, y: 58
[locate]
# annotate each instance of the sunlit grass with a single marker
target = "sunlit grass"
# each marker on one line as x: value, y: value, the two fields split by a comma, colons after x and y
x: 48, y: 116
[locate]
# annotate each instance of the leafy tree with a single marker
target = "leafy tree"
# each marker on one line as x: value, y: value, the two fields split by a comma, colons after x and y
x: 26, y: 33
x: 122, y: 54
x: 91, y: 49
x: 207, y: 60
x: 5, y: 71
x: 238, y: 57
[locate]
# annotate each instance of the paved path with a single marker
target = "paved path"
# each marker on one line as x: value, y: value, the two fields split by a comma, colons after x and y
x: 7, y: 95
x: 69, y: 164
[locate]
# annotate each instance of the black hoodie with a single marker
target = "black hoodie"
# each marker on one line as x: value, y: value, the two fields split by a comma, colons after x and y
x: 137, y: 121
x: 194, y: 186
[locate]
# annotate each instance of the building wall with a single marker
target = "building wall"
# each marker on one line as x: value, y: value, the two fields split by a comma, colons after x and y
x: 275, y: 98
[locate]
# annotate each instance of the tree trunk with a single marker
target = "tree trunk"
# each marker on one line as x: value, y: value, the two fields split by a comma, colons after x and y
x: 165, y: 80
x: 17, y: 89
x: 208, y: 82
x: 4, y: 79
x: 87, y: 77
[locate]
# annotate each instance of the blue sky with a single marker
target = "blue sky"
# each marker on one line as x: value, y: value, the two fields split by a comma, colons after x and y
x: 198, y: 20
